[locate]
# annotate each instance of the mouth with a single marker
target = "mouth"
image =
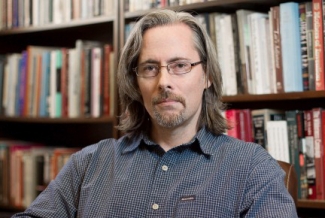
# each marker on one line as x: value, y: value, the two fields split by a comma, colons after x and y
x: 168, y: 99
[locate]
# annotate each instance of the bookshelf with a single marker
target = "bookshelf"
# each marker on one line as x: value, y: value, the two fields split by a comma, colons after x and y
x: 285, y: 101
x: 64, y: 132
x: 80, y: 132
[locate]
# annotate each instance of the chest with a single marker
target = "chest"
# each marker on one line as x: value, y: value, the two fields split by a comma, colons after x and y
x: 174, y: 185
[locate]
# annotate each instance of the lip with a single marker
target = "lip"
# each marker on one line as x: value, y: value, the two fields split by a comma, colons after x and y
x: 166, y: 102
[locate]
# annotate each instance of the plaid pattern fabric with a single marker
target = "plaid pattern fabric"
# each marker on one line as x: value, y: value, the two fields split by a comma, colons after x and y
x: 212, y: 176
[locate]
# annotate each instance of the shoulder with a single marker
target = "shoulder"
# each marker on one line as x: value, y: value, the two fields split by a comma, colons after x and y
x: 241, y: 154
x: 107, y: 148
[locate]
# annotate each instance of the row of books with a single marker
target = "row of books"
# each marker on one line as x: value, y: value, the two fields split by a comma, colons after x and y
x: 294, y: 136
x: 58, y: 82
x: 263, y: 53
x: 25, y: 13
x: 27, y: 168
x: 275, y: 52
x: 137, y: 5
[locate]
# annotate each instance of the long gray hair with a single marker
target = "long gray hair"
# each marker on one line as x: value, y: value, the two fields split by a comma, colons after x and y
x: 134, y: 118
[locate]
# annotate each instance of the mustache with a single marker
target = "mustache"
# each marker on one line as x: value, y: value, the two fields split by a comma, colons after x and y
x: 168, y: 95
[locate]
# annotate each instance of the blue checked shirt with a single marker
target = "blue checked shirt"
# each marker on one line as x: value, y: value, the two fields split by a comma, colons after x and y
x: 212, y: 176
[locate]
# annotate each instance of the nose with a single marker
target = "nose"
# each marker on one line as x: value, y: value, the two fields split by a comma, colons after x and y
x: 164, y: 78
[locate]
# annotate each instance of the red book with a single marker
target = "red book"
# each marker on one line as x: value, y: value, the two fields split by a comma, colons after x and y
x: 310, y: 157
x: 318, y: 44
x: 232, y: 116
x: 64, y: 82
x: 106, y: 80
x: 319, y: 132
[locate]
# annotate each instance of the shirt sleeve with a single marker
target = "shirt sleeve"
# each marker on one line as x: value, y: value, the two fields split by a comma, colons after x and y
x: 60, y: 198
x: 266, y: 194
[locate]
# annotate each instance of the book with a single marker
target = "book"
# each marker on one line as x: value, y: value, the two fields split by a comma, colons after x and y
x: 303, y: 37
x: 319, y: 155
x: 291, y: 118
x: 310, y: 45
x: 244, y: 42
x: 106, y: 80
x: 2, y: 79
x: 259, y: 120
x: 45, y: 85
x: 259, y: 57
x: 291, y: 47
x: 226, y: 52
x: 310, y: 154
x: 232, y: 116
x: 277, y: 140
x: 64, y: 82
x: 97, y: 54
x: 318, y: 44
x: 300, y: 117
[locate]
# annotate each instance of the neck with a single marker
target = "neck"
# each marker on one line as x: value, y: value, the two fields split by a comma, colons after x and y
x: 169, y: 138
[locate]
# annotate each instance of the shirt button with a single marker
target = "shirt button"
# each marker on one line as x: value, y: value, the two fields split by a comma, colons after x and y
x: 164, y: 168
x: 155, y: 206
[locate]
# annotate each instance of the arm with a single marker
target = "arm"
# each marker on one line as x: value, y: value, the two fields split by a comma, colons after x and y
x: 266, y: 194
x: 60, y: 198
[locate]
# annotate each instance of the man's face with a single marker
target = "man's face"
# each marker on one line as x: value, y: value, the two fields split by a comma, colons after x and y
x: 171, y: 100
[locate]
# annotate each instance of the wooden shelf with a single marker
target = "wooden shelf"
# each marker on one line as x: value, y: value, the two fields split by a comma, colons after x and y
x: 315, y: 204
x: 57, y: 120
x: 218, y: 5
x: 72, y: 23
x: 276, y: 97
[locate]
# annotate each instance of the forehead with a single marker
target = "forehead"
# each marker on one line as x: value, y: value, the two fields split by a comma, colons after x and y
x: 168, y: 41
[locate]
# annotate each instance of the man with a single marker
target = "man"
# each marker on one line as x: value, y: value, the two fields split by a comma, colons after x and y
x: 174, y: 160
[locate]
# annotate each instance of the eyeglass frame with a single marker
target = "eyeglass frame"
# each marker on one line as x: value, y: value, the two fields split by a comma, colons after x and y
x: 168, y: 69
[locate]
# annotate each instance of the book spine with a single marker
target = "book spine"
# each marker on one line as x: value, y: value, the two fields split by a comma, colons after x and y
x: 231, y: 116
x: 303, y: 41
x: 310, y: 157
x: 106, y: 80
x: 277, y: 49
x: 319, y: 171
x: 293, y: 144
x: 258, y: 129
x: 302, y: 154
x: 310, y: 45
x: 64, y: 82
x: 318, y: 44
x: 291, y: 48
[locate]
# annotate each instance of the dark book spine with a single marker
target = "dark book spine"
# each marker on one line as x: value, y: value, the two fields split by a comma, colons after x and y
x: 277, y: 49
x: 258, y: 129
x: 310, y: 45
x: 293, y: 144
x: 302, y: 154
x: 303, y: 40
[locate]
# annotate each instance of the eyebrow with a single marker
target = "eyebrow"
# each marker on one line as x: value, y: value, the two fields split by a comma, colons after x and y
x: 152, y: 61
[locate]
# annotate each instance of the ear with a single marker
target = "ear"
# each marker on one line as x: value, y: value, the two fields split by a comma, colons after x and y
x: 207, y: 83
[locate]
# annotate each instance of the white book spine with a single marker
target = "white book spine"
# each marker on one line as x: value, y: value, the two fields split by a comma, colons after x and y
x: 229, y: 68
x: 96, y: 82
x: 52, y: 103
x: 36, y: 11
x: 72, y: 98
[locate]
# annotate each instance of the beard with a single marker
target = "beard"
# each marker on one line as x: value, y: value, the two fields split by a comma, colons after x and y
x: 166, y: 119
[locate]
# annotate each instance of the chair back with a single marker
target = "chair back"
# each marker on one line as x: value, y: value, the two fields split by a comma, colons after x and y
x: 290, y: 179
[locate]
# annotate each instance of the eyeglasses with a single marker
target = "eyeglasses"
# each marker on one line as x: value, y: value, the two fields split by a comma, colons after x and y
x: 148, y: 70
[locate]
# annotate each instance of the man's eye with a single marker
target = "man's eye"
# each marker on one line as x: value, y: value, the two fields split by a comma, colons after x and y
x: 180, y: 65
x: 149, y: 68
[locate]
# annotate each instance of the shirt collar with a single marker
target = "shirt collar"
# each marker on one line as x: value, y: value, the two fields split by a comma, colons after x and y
x: 203, y: 136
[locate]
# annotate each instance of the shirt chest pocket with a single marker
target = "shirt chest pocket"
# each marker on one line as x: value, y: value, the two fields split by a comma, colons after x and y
x: 203, y: 206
